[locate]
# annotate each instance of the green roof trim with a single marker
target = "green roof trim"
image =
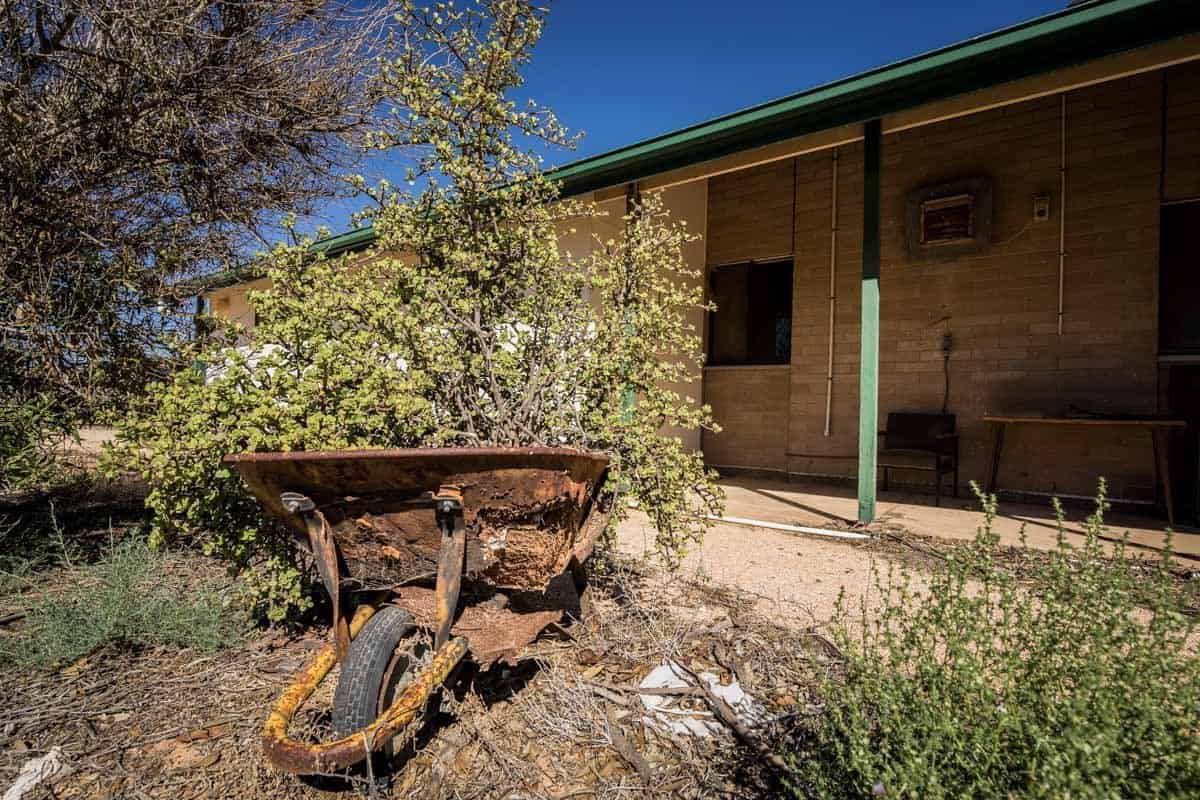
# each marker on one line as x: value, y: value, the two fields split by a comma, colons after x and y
x: 1075, y: 35
x: 1061, y: 39
x: 331, y: 246
x: 347, y: 242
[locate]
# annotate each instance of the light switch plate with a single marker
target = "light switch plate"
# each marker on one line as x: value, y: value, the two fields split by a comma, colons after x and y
x: 1041, y: 207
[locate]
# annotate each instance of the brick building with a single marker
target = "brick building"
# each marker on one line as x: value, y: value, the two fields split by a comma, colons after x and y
x: 1004, y: 226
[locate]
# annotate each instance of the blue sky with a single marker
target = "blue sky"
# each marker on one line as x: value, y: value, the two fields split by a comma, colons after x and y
x: 624, y: 70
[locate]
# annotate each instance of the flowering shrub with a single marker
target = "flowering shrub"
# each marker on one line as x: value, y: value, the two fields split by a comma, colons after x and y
x: 1078, y: 679
x: 466, y: 325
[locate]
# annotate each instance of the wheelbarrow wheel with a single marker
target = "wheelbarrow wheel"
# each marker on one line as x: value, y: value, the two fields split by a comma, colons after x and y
x: 376, y: 670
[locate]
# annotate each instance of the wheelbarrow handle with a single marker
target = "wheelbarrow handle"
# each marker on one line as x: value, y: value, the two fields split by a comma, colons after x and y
x: 290, y: 755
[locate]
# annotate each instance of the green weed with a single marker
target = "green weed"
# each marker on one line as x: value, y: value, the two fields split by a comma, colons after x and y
x: 131, y: 597
x: 1078, y: 679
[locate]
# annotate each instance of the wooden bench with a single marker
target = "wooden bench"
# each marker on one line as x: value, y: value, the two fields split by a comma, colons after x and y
x: 921, y: 441
x: 1159, y: 429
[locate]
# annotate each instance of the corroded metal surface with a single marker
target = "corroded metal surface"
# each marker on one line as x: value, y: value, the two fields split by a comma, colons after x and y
x: 496, y: 634
x: 590, y: 532
x: 520, y: 519
x: 324, y: 550
x: 448, y: 501
x: 523, y: 507
x: 302, y: 758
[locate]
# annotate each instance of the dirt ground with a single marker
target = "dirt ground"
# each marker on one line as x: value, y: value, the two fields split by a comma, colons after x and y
x: 751, y: 605
x: 793, y: 580
x: 565, y: 722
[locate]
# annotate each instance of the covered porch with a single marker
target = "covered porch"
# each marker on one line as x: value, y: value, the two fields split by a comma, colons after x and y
x: 797, y: 579
x: 1022, y: 267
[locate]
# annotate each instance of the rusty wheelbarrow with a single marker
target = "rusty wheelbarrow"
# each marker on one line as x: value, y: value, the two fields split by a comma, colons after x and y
x: 484, y: 547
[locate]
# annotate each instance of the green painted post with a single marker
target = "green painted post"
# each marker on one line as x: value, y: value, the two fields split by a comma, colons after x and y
x: 868, y: 376
x: 633, y: 198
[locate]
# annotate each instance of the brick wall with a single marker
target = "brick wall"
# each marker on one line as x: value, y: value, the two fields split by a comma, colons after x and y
x: 233, y: 303
x: 689, y: 203
x: 1000, y: 305
x: 749, y: 213
x: 749, y: 218
x: 750, y: 403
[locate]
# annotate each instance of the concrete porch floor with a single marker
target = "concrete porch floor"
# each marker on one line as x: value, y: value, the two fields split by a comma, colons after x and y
x: 797, y: 579
x: 824, y: 505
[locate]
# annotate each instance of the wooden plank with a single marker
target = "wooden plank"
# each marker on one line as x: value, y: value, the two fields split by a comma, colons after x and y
x: 1157, y: 428
x: 1159, y: 437
x: 1097, y: 421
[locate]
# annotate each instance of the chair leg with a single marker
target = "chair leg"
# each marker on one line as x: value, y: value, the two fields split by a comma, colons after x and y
x: 885, y: 479
x: 937, y: 477
x: 955, y: 487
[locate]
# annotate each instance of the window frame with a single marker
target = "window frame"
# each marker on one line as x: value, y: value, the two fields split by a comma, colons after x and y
x: 713, y: 319
x: 979, y: 189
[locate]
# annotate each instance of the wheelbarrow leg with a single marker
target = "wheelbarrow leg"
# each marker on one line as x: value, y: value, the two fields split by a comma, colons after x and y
x: 579, y: 577
x: 324, y: 553
x: 449, y: 511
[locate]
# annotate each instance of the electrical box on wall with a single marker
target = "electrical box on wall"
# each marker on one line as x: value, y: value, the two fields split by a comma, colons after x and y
x: 1041, y: 207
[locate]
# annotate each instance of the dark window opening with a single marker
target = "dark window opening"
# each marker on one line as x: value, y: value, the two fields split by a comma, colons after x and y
x: 1179, y: 280
x: 948, y: 220
x: 752, y: 323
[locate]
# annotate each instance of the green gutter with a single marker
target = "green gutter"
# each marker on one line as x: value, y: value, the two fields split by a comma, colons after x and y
x: 331, y: 247
x: 348, y: 242
x: 1063, y: 39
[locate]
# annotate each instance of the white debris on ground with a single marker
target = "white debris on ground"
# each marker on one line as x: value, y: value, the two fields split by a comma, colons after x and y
x: 35, y: 772
x: 666, y: 712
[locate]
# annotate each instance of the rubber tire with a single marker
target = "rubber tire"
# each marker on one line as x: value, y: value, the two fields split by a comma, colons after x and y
x: 356, y: 698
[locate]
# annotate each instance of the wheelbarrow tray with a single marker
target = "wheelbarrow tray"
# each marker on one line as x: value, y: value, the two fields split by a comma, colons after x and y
x: 524, y: 508
x: 521, y: 519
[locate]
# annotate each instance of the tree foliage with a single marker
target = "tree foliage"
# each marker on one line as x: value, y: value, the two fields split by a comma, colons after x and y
x: 319, y: 372
x: 469, y: 324
x: 142, y: 142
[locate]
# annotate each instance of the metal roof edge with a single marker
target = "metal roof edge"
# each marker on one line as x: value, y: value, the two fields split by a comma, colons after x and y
x: 1053, y: 41
x: 351, y: 241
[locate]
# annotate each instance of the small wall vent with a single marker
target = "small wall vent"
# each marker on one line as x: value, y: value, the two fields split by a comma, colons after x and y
x: 949, y: 219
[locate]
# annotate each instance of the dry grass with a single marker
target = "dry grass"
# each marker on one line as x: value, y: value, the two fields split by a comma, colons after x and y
x: 565, y: 722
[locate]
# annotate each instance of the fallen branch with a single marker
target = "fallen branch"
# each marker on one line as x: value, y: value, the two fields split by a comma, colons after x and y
x: 605, y: 693
x: 605, y: 690
x: 668, y: 690
x: 729, y: 718
x: 830, y: 648
x: 627, y: 751
x: 904, y: 540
